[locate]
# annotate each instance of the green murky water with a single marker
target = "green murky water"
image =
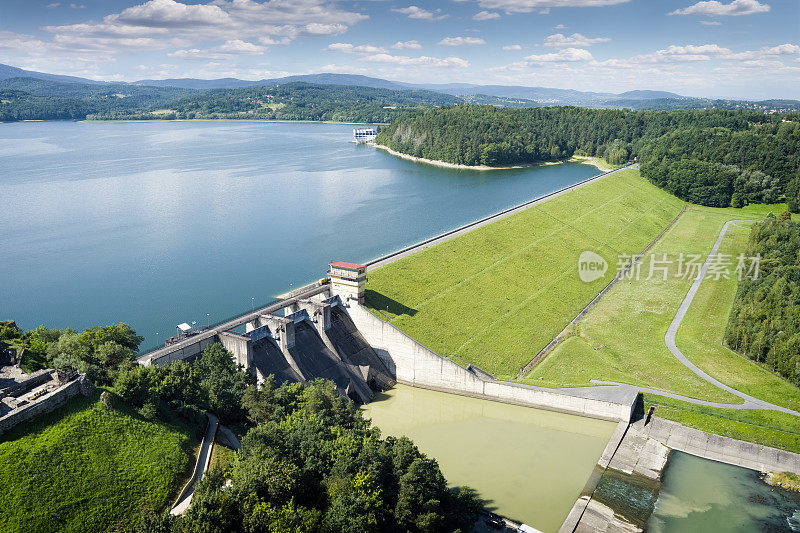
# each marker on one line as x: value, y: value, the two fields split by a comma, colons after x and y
x: 702, y: 495
x: 531, y: 464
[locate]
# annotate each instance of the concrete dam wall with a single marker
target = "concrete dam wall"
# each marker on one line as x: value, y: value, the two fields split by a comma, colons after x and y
x: 415, y: 364
x: 315, y: 339
x: 336, y: 338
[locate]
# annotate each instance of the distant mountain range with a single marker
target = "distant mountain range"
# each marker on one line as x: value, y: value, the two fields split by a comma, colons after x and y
x: 504, y: 95
x: 539, y: 95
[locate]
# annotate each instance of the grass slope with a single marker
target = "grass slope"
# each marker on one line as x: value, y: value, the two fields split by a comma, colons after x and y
x: 83, y: 468
x: 497, y: 295
x: 622, y: 338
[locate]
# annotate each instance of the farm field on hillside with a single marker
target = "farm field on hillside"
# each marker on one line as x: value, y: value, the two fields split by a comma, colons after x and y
x: 84, y: 468
x: 497, y: 295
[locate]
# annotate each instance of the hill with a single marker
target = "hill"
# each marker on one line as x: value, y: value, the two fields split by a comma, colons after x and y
x: 7, y: 71
x: 715, y: 158
x: 295, y: 101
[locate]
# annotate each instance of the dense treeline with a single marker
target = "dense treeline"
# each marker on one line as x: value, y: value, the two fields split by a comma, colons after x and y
x: 19, y: 105
x: 765, y: 319
x: 309, y: 460
x: 716, y: 158
x: 302, y: 101
x: 99, y: 97
x: 33, y: 99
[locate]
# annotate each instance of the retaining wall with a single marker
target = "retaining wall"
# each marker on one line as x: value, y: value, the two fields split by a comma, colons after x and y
x: 49, y: 402
x: 417, y: 365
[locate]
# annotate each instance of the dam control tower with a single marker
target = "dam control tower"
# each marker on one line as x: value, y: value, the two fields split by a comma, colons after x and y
x: 348, y: 280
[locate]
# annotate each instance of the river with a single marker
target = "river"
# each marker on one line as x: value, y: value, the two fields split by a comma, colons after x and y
x: 702, y: 495
x: 157, y: 223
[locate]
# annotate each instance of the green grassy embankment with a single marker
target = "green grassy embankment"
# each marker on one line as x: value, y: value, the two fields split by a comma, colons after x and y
x: 85, y: 468
x: 497, y: 295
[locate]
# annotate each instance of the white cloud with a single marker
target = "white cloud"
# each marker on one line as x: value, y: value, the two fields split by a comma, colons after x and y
x: 239, y: 47
x: 348, y: 48
x: 421, y: 61
x: 576, y: 40
x: 512, y: 47
x: 567, y: 54
x: 164, y: 23
x: 227, y: 50
x: 460, y: 41
x: 77, y: 6
x: 317, y: 28
x: 53, y: 6
x: 406, y: 45
x: 528, y: 6
x: 560, y: 27
x: 684, y: 54
x: 485, y: 15
x: 710, y: 23
x: 715, y: 8
x: 416, y: 12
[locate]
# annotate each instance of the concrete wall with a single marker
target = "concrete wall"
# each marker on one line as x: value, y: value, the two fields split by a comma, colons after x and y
x: 722, y: 449
x: 188, y: 352
x: 49, y: 402
x: 419, y: 366
x: 239, y: 346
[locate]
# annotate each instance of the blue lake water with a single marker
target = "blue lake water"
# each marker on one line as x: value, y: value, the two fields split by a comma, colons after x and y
x: 154, y: 224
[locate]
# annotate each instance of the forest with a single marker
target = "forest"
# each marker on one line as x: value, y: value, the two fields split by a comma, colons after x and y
x: 33, y: 99
x: 764, y: 323
x: 715, y: 158
x: 309, y: 460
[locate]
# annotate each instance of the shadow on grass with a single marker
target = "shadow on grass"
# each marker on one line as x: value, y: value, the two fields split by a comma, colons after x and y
x: 383, y: 303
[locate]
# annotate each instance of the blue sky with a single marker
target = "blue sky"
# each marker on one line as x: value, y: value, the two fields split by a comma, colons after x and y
x: 725, y: 48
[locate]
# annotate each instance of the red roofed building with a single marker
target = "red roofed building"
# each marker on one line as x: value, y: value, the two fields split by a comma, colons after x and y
x: 348, y: 280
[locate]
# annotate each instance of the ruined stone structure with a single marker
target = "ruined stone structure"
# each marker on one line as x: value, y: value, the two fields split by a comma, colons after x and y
x: 41, y: 393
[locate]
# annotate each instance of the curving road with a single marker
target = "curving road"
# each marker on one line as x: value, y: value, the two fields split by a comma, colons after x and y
x: 749, y: 401
x: 669, y: 339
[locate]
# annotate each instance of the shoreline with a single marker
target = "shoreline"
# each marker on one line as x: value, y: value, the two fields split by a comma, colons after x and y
x: 235, y: 120
x: 443, y: 164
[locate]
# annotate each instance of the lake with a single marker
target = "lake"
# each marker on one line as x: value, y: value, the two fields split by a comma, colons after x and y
x: 157, y: 223
x: 530, y: 464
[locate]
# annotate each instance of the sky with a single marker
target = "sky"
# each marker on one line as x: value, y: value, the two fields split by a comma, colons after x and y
x: 711, y: 48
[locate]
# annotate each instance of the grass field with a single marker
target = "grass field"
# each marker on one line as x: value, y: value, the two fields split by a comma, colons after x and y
x: 622, y: 338
x: 497, y: 295
x: 83, y: 468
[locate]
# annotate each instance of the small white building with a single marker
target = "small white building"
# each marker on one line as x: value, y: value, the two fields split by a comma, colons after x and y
x: 348, y: 280
x: 364, y: 135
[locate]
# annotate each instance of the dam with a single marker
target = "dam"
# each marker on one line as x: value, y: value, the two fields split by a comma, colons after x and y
x: 511, y: 455
x: 323, y: 330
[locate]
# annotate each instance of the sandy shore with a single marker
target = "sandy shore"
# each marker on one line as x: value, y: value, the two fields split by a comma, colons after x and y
x: 575, y: 159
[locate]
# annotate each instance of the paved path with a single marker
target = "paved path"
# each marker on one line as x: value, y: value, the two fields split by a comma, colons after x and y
x: 203, y: 459
x: 749, y: 401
